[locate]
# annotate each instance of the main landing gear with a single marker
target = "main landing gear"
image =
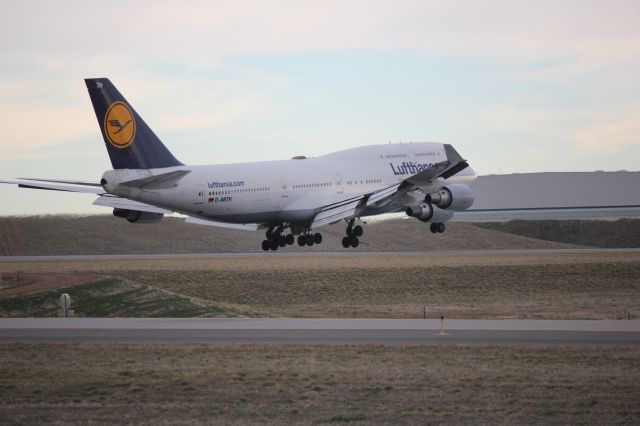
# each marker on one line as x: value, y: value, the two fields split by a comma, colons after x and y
x: 276, y: 239
x: 437, y: 228
x: 309, y: 239
x: 351, y: 240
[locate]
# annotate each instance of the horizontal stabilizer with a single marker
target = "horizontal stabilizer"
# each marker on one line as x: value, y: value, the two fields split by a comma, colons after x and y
x: 68, y: 182
x: 54, y: 185
x: 123, y: 203
x: 164, y: 180
x: 240, y: 226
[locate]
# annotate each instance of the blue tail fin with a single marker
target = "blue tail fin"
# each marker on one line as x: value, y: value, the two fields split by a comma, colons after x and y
x: 130, y: 142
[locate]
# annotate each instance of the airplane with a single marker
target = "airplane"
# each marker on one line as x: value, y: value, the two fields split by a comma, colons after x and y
x: 286, y: 199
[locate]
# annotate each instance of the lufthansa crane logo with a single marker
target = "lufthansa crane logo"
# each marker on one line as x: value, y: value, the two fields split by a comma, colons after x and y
x: 119, y: 125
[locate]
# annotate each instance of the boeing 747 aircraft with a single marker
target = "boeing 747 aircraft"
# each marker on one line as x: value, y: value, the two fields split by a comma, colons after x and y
x: 285, y: 199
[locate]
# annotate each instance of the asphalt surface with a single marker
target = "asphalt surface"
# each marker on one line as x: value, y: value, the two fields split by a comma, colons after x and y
x: 341, y: 331
x: 304, y: 254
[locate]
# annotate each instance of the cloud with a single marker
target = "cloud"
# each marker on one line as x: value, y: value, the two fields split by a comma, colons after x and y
x: 517, y: 29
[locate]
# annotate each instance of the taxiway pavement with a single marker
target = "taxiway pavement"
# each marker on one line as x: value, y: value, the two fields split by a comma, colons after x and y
x: 307, y: 330
x: 305, y: 254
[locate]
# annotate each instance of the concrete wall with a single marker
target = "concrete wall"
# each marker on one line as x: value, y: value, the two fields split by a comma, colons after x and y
x: 563, y: 195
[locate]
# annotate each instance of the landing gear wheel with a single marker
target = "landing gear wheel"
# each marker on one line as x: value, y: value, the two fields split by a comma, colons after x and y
x: 433, y: 227
x: 282, y: 240
x: 266, y: 245
x: 317, y: 238
x: 309, y: 240
x: 355, y: 242
x: 290, y: 239
x: 346, y: 242
x: 441, y: 227
x: 358, y: 231
x: 273, y: 244
x: 269, y: 233
x: 302, y: 240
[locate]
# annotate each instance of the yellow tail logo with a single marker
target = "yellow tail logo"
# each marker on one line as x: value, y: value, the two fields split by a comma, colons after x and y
x: 119, y: 125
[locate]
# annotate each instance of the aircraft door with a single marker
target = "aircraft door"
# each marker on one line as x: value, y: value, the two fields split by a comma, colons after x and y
x: 284, y: 188
x: 339, y: 184
x: 199, y: 195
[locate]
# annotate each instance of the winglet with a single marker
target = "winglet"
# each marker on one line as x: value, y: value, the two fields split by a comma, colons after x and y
x: 445, y: 169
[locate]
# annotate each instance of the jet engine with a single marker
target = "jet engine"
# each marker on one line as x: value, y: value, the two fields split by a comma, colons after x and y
x: 136, y: 216
x: 454, y: 197
x: 429, y: 213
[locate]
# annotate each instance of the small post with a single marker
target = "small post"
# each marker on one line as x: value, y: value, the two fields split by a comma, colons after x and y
x: 424, y: 312
x: 65, y: 304
x: 442, y: 325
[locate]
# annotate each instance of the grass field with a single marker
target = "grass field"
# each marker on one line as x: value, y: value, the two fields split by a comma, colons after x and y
x: 604, y: 233
x: 588, y: 285
x: 331, y: 384
x: 51, y: 235
x: 111, y: 297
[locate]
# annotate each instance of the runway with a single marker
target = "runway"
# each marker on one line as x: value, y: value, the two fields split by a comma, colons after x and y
x: 306, y: 254
x: 335, y: 331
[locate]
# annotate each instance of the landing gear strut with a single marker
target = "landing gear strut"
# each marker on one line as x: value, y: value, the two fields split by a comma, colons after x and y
x: 351, y: 240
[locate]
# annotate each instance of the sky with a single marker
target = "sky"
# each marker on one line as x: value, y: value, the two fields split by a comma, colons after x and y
x: 515, y: 86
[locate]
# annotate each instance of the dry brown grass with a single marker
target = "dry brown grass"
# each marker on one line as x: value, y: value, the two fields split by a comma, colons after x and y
x: 51, y: 235
x: 251, y: 384
x: 591, y: 285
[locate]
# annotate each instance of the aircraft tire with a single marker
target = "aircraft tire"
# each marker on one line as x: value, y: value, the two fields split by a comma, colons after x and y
x: 266, y: 245
x: 290, y: 239
x: 358, y: 231
x: 346, y: 242
x: 309, y: 240
x: 301, y: 240
x: 441, y: 227
x: 274, y: 244
x: 433, y: 228
x: 355, y: 242
x: 282, y: 240
x: 317, y: 238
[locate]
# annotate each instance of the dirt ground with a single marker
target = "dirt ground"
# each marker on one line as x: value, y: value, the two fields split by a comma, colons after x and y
x: 14, y: 284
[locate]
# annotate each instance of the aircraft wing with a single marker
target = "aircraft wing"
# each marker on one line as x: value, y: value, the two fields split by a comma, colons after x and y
x: 353, y: 207
x: 58, y: 185
x: 445, y: 169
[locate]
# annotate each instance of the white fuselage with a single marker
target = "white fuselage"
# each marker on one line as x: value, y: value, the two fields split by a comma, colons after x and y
x: 286, y: 190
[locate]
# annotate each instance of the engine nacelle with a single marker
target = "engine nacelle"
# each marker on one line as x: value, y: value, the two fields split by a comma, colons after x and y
x: 429, y: 213
x: 136, y: 216
x: 452, y: 197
